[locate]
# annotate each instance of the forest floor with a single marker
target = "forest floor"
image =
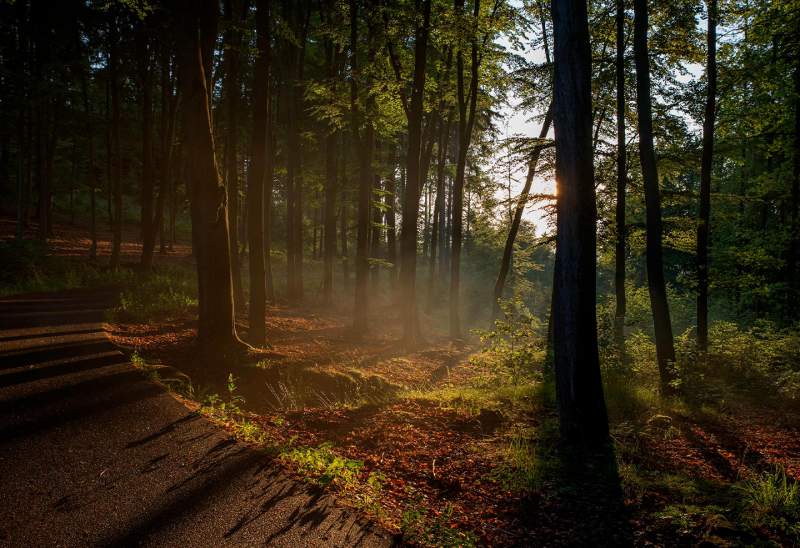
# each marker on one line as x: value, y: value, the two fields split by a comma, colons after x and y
x: 419, y: 440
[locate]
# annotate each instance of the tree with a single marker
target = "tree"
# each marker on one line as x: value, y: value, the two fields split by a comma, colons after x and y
x: 408, y: 236
x: 148, y: 220
x: 622, y: 177
x: 665, y: 348
x: 216, y: 333
x: 260, y: 151
x: 579, y: 390
x: 366, y: 144
x: 115, y: 148
x: 707, y: 160
x: 235, y: 11
x: 331, y: 164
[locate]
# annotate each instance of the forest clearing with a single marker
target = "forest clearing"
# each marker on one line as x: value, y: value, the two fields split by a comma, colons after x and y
x: 399, y: 272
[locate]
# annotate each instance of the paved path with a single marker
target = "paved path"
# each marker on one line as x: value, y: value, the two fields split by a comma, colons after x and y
x: 94, y: 454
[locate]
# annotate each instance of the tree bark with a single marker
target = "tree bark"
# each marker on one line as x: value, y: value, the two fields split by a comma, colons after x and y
x: 116, y: 163
x: 794, y: 240
x: 437, y: 230
x: 707, y: 161
x: 148, y: 227
x: 579, y: 390
x: 390, y: 201
x: 255, y: 183
x: 87, y: 111
x: 365, y: 146
x: 466, y: 120
x: 408, y: 237
x: 665, y: 348
x: 622, y: 179
x: 235, y: 11
x: 331, y: 177
x: 297, y: 16
x: 216, y: 333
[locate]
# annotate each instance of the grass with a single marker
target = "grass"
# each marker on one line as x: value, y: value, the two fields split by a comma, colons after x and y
x: 771, y: 493
x: 423, y: 527
x: 165, y: 292
x: 27, y: 268
x: 471, y: 399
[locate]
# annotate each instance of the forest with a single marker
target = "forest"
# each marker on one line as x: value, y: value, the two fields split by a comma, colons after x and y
x: 400, y: 272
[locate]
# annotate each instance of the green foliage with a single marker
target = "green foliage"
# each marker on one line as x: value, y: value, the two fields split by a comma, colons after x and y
x: 325, y: 466
x: 229, y: 413
x: 516, y: 345
x: 771, y: 494
x: 420, y: 527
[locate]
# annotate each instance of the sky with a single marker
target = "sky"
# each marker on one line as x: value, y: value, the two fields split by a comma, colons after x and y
x: 519, y: 123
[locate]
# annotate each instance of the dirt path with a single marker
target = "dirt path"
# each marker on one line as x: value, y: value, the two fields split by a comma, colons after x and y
x: 92, y: 453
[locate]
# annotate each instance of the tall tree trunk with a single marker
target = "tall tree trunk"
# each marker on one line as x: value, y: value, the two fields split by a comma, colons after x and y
x: 331, y: 173
x: 297, y: 14
x: 376, y: 232
x: 216, y: 332
x: 329, y: 220
x: 522, y: 201
x: 169, y: 104
x: 579, y: 390
x: 665, y: 348
x: 794, y: 241
x: 148, y: 227
x: 109, y: 155
x: 390, y: 202
x: 365, y: 146
x: 408, y: 236
x: 707, y: 161
x: 87, y: 112
x: 116, y: 151
x: 235, y: 11
x: 255, y: 183
x: 622, y: 179
x: 437, y: 230
x: 269, y: 176
x: 466, y: 120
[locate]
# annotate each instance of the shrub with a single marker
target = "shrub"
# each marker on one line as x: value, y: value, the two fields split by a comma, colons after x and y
x: 516, y: 344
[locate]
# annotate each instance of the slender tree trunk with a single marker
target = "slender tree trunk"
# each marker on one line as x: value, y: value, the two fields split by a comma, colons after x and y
x: 622, y: 179
x: 297, y: 14
x: 216, y: 332
x: 390, y: 202
x: 408, y: 237
x: 329, y: 220
x: 665, y: 348
x: 269, y: 176
x: 116, y: 163
x: 466, y: 120
x: 148, y: 227
x: 437, y: 230
x: 109, y: 155
x: 255, y: 183
x: 579, y: 390
x: 365, y: 146
x: 235, y: 11
x: 376, y: 232
x: 331, y: 183
x: 707, y: 161
x: 505, y: 264
x: 87, y: 110
x: 794, y: 241
x: 169, y: 104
